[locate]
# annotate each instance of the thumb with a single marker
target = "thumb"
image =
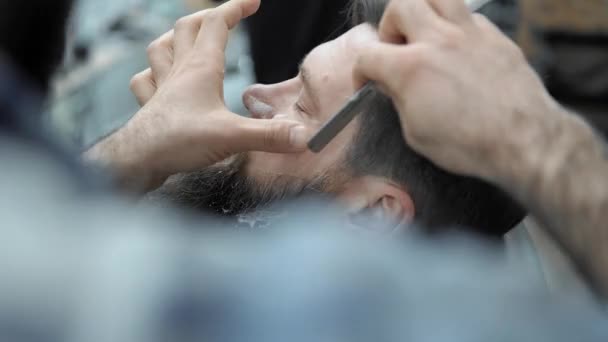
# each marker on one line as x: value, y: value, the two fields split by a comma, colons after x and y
x: 388, y: 65
x: 277, y: 136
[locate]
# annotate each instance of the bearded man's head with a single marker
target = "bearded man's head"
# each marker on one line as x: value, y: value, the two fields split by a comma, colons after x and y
x: 369, y: 167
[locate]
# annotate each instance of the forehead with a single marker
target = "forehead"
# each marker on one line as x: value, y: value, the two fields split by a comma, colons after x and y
x: 343, y: 48
x: 329, y: 68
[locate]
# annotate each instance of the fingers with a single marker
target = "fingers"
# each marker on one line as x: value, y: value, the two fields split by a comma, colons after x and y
x: 407, y: 20
x: 215, y: 26
x: 228, y: 15
x: 160, y: 57
x: 276, y: 136
x: 389, y: 65
x: 211, y: 25
x: 143, y: 86
x: 236, y: 10
x: 482, y: 22
x: 412, y: 20
x: 184, y: 34
x: 454, y: 11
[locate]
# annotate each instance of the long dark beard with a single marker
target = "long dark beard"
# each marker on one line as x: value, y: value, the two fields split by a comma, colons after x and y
x: 227, y: 191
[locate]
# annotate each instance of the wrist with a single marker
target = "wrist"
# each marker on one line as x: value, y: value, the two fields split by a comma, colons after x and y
x: 536, y: 149
x: 129, y: 164
x: 574, y: 146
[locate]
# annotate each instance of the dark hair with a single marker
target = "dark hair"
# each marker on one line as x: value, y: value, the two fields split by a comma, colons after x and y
x: 32, y: 35
x: 442, y: 199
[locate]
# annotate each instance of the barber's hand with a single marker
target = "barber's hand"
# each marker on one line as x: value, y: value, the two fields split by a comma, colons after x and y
x: 467, y: 98
x: 184, y: 124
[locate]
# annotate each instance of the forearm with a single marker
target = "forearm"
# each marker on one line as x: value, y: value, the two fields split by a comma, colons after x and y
x: 562, y: 177
x: 121, y: 157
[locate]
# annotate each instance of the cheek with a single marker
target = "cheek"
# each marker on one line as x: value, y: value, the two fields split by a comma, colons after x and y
x: 300, y: 165
x: 305, y: 165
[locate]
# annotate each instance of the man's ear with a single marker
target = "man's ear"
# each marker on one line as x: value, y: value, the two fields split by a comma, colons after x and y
x: 377, y: 203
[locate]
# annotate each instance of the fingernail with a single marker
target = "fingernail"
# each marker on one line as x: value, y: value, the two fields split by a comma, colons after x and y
x: 298, y: 136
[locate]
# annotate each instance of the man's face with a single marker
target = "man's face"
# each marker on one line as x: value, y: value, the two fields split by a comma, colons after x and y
x: 322, y: 87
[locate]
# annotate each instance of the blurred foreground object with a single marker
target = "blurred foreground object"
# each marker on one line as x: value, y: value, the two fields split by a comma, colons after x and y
x: 88, y: 268
x: 146, y: 280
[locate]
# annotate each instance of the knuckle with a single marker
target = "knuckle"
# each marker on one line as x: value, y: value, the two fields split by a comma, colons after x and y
x: 150, y: 48
x: 390, y: 21
x: 211, y: 16
x: 416, y: 59
x: 483, y: 22
x: 184, y: 23
x: 141, y: 80
x: 135, y: 81
x: 276, y: 133
x: 452, y: 37
x: 166, y: 42
x: 153, y: 47
x: 204, y: 13
x: 480, y: 19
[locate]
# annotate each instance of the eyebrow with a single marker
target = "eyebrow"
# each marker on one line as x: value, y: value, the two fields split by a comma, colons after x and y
x: 312, y: 91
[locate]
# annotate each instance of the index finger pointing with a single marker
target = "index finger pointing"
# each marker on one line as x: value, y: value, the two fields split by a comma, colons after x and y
x: 215, y: 25
x: 188, y: 29
x: 236, y: 10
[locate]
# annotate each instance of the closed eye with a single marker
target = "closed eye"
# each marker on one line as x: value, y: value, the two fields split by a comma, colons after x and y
x: 299, y: 108
x: 302, y: 109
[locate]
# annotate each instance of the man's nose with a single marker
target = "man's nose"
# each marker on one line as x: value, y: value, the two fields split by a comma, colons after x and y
x: 257, y: 101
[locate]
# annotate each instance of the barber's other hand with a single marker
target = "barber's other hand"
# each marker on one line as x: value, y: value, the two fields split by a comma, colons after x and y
x: 184, y: 124
x: 467, y: 98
